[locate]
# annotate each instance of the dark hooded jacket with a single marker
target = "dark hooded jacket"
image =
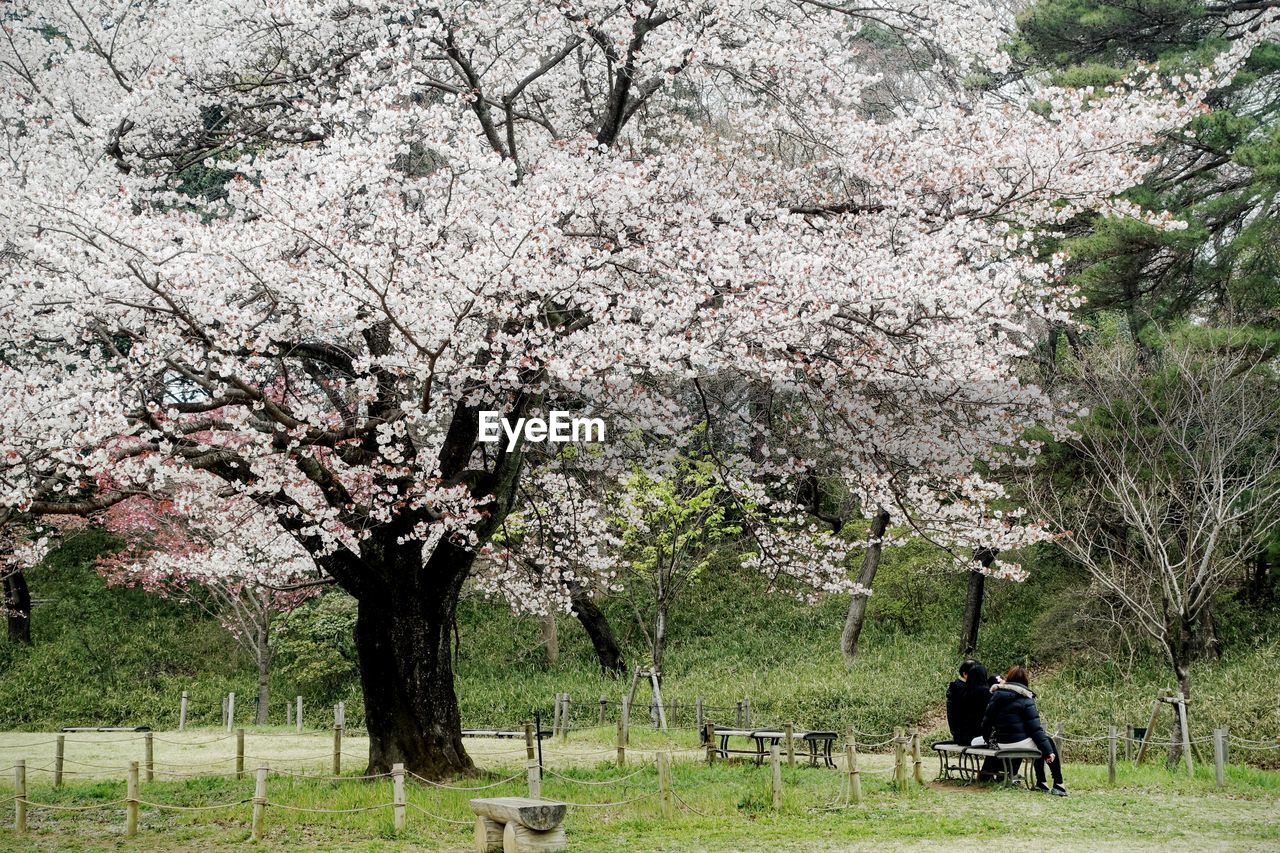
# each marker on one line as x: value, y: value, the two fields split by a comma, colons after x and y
x: 1012, y: 716
x: 966, y: 704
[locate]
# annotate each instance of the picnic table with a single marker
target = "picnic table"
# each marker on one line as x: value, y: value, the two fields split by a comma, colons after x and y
x: 965, y: 762
x: 504, y: 733
x: 819, y: 743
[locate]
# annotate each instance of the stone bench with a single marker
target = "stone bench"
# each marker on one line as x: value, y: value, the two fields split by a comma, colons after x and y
x: 514, y: 824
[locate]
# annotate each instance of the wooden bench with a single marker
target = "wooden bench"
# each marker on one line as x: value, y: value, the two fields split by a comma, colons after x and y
x: 818, y: 743
x: 514, y: 824
x: 503, y: 733
x: 968, y: 761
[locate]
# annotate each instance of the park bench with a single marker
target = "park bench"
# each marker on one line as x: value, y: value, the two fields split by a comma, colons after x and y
x: 966, y: 761
x: 516, y: 824
x: 818, y: 743
x: 503, y: 733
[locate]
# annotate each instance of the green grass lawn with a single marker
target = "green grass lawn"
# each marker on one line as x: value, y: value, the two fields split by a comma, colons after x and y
x: 719, y: 807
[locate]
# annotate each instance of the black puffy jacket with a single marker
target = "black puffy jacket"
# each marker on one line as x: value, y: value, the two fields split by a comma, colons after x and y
x: 966, y: 704
x: 1012, y: 716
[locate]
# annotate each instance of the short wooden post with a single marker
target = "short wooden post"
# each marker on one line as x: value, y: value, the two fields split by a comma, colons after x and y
x: 711, y: 743
x: 342, y: 713
x: 775, y: 772
x: 149, y: 756
x: 297, y: 715
x: 746, y: 712
x: 288, y: 713
x: 336, y: 721
x: 337, y: 750
x: 697, y: 713
x: 58, y: 756
x: 622, y: 745
x: 529, y: 749
x: 1186, y: 735
x: 535, y: 779
x: 20, y: 794
x: 1226, y: 746
x: 131, y: 802
x: 1128, y: 742
x: 564, y: 718
x: 224, y: 711
x: 917, y: 764
x: 1219, y: 757
x: 788, y: 732
x: 737, y: 719
x: 555, y: 716
x: 664, y: 785
x: 604, y: 703
x: 239, y: 753
x: 626, y: 720
x: 899, y: 759
x: 259, y: 802
x: 1112, y: 735
x: 675, y: 709
x: 231, y: 711
x: 397, y: 796
x: 851, y: 767
x: 182, y: 712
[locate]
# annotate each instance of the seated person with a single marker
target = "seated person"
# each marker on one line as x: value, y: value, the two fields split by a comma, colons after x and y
x: 1012, y: 721
x: 967, y: 702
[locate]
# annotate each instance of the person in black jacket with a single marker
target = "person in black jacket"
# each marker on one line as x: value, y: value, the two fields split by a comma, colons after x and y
x: 967, y: 702
x: 1012, y: 721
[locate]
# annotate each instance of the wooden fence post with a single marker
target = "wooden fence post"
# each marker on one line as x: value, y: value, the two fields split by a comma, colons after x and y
x: 788, y: 732
x: 555, y: 716
x: 1128, y: 742
x: 239, y: 753
x: 697, y: 713
x: 775, y: 773
x: 297, y: 715
x: 224, y: 711
x: 58, y: 755
x: 20, y: 794
x: 1111, y: 755
x: 917, y: 764
x: 1226, y: 746
x: 342, y: 713
x: 535, y: 779
x: 259, y: 802
x: 337, y: 750
x: 851, y: 767
x: 529, y: 753
x: 1186, y: 735
x: 564, y: 719
x: 711, y: 743
x: 604, y: 702
x: 231, y: 711
x: 674, y: 710
x: 131, y: 802
x: 737, y: 720
x: 621, y: 745
x: 288, y: 713
x: 664, y: 784
x: 626, y: 721
x: 900, y: 759
x: 182, y: 712
x: 746, y: 712
x: 1151, y: 727
x: 149, y: 755
x: 397, y: 796
x: 1219, y: 757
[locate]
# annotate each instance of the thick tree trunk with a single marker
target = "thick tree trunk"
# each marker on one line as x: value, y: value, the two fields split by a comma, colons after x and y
x: 973, y: 602
x: 402, y: 635
x: 857, y: 614
x: 550, y: 638
x: 593, y: 620
x: 17, y: 606
x: 263, y: 653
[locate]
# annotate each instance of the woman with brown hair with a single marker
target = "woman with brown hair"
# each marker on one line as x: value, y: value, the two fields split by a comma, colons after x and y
x: 1012, y: 721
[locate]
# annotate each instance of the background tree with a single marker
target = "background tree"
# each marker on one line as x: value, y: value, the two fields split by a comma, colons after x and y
x: 1177, y: 478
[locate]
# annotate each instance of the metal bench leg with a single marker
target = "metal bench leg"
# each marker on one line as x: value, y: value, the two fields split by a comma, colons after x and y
x: 829, y: 745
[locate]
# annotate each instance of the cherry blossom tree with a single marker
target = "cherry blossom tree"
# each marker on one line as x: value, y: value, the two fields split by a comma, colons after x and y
x: 220, y: 554
x: 295, y: 247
